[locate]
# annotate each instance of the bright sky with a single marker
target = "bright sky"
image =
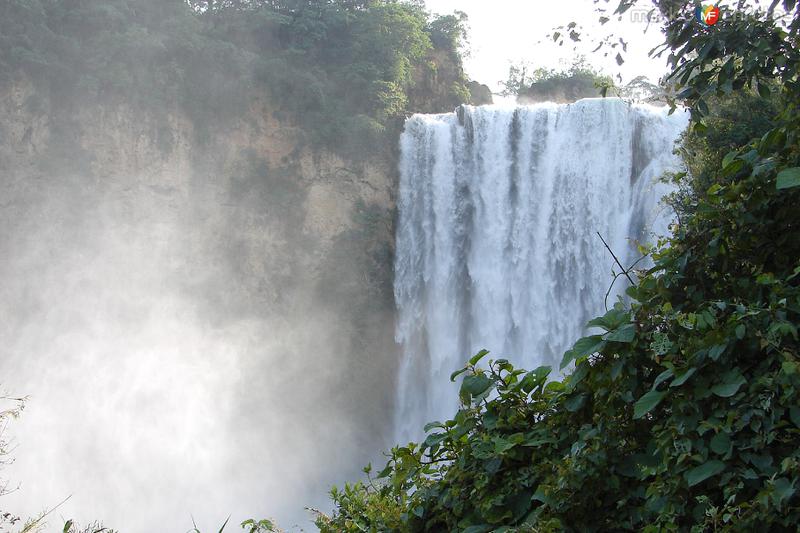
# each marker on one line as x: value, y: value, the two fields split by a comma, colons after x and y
x: 506, y: 31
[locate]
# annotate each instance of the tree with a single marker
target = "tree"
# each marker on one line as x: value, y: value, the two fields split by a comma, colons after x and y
x: 449, y: 32
x: 580, y: 80
x: 321, y: 62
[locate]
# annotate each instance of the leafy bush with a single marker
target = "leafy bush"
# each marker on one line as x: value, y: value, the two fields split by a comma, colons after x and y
x: 540, y: 84
x: 731, y: 122
x: 682, y: 413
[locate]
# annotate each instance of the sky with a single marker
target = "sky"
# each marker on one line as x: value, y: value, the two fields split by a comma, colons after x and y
x: 506, y: 31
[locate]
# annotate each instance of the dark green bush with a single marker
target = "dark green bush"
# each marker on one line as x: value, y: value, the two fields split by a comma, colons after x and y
x: 683, y: 412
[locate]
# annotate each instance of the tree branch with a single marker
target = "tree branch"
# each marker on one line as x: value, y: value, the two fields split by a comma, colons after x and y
x: 615, y: 258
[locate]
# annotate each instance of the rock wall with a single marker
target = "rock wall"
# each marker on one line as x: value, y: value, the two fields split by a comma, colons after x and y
x: 201, y: 314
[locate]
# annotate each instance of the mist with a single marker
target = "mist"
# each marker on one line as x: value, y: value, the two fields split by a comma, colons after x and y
x: 198, y: 203
x: 173, y: 317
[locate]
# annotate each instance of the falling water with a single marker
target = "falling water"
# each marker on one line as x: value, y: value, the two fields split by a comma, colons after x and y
x: 496, y: 241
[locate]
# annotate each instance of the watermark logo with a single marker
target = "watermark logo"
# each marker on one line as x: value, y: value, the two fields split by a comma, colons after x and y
x: 708, y: 15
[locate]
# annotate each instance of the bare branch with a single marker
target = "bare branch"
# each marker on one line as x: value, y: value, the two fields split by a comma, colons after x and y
x: 615, y: 258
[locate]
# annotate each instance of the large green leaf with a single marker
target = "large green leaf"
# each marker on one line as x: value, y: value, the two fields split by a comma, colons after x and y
x: 715, y: 351
x: 624, y: 333
x: 704, y: 471
x: 783, y: 489
x: 733, y: 167
x: 502, y: 445
x: 432, y: 425
x: 573, y: 403
x: 434, y: 438
x: 721, y: 443
x: 731, y: 382
x: 665, y: 375
x: 647, y: 403
x: 788, y: 178
x: 585, y: 346
x: 534, y: 378
x: 729, y: 157
x: 775, y: 138
x: 611, y: 320
x: 478, y: 356
x: 476, y: 385
x: 457, y: 373
x: 682, y: 378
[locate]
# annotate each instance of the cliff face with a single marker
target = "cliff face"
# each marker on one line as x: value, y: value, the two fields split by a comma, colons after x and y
x: 232, y: 296
x: 197, y: 283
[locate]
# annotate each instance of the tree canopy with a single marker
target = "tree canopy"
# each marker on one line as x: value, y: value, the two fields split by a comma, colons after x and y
x: 578, y: 81
x: 343, y: 70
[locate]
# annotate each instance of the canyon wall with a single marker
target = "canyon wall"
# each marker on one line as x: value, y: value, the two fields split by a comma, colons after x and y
x: 209, y: 313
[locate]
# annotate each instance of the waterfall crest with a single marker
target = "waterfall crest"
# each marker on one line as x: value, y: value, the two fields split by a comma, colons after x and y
x: 496, y: 238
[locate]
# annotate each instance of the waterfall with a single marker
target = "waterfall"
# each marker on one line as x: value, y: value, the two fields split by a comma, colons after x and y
x: 496, y: 239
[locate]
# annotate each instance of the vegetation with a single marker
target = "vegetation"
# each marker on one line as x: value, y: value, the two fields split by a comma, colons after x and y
x: 682, y: 413
x: 581, y: 80
x: 341, y: 69
x: 96, y: 527
x: 732, y: 122
x: 10, y: 408
x: 541, y: 84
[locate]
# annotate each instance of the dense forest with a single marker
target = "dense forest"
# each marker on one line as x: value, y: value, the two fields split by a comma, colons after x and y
x: 345, y: 71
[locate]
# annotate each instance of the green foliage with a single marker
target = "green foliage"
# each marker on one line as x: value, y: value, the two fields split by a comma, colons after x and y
x: 321, y: 62
x: 682, y: 415
x: 249, y: 526
x: 10, y: 409
x: 578, y: 81
x: 361, y: 507
x: 449, y: 32
x: 732, y: 121
x: 70, y: 526
x: 259, y: 526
